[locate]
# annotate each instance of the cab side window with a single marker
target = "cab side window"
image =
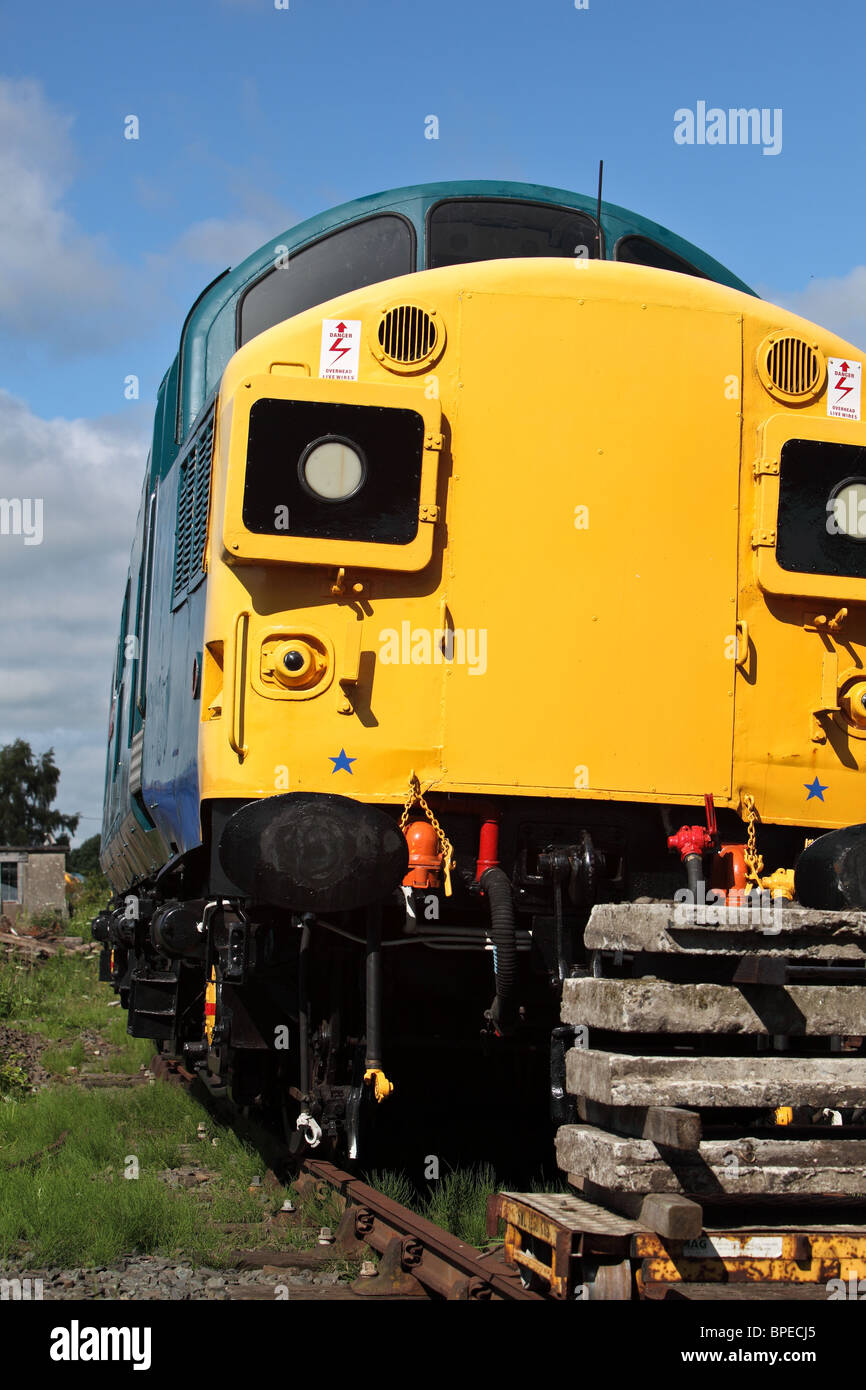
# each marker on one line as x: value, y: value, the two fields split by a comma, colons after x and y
x: 640, y: 250
x: 461, y: 230
x: 362, y: 254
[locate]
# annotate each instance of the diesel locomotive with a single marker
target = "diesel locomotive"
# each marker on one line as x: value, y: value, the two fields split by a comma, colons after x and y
x: 500, y: 563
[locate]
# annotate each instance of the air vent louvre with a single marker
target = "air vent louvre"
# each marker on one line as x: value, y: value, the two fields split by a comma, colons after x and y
x: 193, y: 497
x: 791, y: 368
x: 408, y: 336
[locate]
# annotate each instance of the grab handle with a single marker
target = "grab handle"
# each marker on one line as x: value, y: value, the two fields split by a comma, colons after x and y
x: 239, y: 672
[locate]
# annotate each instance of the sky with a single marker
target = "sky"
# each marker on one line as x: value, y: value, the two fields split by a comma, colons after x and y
x: 253, y: 117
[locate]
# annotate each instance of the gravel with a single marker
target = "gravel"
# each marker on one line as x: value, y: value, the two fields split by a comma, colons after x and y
x: 148, y: 1277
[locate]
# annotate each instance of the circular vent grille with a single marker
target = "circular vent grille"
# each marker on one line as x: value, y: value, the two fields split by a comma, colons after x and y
x: 790, y: 368
x: 409, y: 337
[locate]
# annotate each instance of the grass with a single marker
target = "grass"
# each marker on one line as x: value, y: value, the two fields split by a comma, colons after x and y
x: 61, y: 1001
x: 457, y: 1202
x: 314, y: 1212
x: 74, y: 1205
x: 397, y: 1186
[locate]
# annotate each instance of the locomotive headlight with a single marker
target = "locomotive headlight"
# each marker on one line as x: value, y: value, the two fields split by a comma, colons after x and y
x: 332, y: 468
x: 846, y: 509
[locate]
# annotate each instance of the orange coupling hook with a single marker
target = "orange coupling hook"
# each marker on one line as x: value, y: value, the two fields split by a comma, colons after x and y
x: 425, y: 858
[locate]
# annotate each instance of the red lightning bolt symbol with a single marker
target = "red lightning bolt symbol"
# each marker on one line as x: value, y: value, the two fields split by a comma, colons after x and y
x: 335, y: 347
x: 841, y: 387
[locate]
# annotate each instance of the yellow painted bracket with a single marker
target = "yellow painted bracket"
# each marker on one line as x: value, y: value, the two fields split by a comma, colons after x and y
x: 829, y: 695
x: 350, y: 666
x: 350, y: 669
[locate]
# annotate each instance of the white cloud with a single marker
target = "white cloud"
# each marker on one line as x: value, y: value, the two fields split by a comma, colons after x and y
x: 61, y: 599
x: 55, y: 280
x: 64, y: 290
x: 221, y: 242
x: 836, y: 303
x: 256, y: 215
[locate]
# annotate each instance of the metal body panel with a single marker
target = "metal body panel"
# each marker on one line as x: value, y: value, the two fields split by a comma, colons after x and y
x: 571, y: 491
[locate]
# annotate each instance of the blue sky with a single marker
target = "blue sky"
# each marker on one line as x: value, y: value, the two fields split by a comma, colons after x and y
x: 252, y: 118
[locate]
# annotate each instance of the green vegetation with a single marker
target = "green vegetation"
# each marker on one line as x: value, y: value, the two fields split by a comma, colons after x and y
x: 91, y: 899
x: 73, y: 1203
x: 457, y: 1202
x: 84, y: 859
x: 14, y: 1081
x: 100, y: 1195
x: 61, y: 999
x: 397, y: 1186
x: 315, y: 1209
x: 61, y: 1002
x: 28, y: 785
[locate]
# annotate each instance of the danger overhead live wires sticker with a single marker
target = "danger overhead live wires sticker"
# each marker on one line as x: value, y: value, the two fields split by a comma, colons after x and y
x: 843, y: 388
x: 341, y: 349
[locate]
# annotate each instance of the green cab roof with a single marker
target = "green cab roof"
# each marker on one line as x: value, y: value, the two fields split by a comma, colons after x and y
x: 208, y: 339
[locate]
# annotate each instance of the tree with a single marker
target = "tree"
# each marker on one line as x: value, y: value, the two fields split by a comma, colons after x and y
x: 28, y: 785
x: 85, y: 859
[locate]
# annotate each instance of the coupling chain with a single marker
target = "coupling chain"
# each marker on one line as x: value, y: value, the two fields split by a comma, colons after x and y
x: 754, y: 861
x: 415, y: 797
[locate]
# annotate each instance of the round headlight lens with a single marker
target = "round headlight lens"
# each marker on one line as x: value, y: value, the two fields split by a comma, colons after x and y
x: 847, y: 509
x: 332, y: 469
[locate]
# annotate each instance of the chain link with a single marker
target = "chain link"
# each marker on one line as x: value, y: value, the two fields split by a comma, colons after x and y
x: 414, y: 797
x: 754, y: 861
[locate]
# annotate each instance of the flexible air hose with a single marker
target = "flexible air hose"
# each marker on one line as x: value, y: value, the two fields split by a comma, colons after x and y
x: 503, y: 933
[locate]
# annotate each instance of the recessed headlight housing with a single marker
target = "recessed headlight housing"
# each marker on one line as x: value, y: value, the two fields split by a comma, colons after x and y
x: 332, y: 468
x: 847, y: 508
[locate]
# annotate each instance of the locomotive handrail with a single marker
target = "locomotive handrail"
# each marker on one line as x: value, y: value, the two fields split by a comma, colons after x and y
x: 238, y: 675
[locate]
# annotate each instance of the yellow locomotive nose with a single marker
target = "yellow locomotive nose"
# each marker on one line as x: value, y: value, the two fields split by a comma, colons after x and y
x: 298, y: 665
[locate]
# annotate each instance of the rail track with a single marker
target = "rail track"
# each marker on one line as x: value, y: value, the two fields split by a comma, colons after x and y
x: 557, y: 1246
x: 417, y: 1258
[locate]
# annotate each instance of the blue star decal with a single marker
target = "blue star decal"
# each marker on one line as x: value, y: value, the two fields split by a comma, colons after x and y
x: 815, y: 789
x: 342, y: 763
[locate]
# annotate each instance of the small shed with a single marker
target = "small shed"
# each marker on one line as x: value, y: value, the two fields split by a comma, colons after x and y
x: 32, y: 880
